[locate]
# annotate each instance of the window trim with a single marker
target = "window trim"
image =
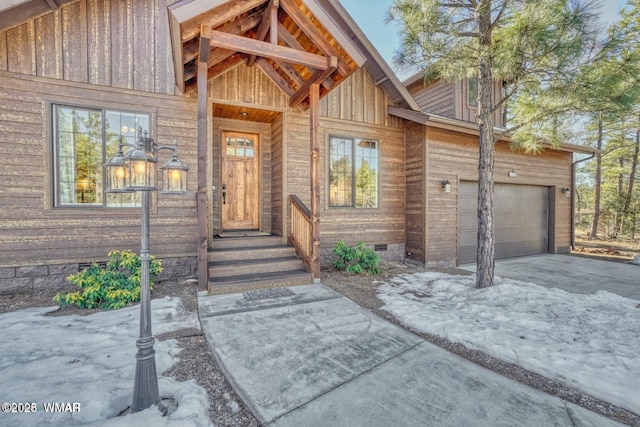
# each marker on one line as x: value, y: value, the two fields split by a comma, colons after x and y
x: 353, y: 138
x: 54, y: 192
x: 469, y: 104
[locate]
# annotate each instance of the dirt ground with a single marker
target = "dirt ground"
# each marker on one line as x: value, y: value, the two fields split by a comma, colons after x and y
x: 621, y: 250
x: 226, y: 409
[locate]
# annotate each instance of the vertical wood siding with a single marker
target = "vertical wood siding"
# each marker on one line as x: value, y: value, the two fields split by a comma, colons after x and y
x: 116, y: 43
x: 31, y: 230
x: 415, y: 170
x: 278, y: 197
x: 454, y: 156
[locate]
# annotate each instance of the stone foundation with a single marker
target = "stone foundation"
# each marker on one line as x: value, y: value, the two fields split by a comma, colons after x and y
x: 53, y: 278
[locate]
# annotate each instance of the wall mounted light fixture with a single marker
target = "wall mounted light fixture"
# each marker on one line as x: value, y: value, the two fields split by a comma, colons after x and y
x: 512, y: 174
x: 566, y: 192
x: 446, y: 186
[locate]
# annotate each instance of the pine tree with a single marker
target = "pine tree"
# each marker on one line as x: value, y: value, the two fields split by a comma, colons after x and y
x: 534, y: 46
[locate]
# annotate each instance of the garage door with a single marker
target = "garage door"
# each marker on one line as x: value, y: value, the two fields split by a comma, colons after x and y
x: 521, y: 217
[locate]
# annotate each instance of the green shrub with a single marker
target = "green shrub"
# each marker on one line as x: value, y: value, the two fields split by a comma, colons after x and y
x: 112, y: 287
x: 356, y: 260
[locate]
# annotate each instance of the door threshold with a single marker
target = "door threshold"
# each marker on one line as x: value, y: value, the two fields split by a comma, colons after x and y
x: 243, y: 233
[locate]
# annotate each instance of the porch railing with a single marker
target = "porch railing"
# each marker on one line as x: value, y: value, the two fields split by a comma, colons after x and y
x: 301, y: 236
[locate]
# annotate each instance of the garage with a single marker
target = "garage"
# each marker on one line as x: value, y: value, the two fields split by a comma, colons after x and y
x: 521, y: 217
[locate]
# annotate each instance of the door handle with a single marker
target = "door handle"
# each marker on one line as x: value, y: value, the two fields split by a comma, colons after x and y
x: 224, y: 194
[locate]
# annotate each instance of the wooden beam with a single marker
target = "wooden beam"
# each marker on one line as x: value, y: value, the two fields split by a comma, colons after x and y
x: 268, y: 50
x: 270, y: 15
x: 275, y: 76
x: 314, y: 34
x: 234, y: 27
x: 203, y: 155
x: 215, y: 57
x: 316, y: 78
x: 218, y: 16
x: 314, y: 122
x: 291, y: 41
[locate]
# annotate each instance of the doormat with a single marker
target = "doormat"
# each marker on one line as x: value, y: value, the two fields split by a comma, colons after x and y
x: 249, y: 233
x: 267, y: 293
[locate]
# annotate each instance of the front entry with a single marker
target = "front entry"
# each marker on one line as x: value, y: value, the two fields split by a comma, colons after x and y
x: 240, y: 181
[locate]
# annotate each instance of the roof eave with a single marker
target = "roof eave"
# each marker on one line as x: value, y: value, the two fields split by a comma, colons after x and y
x: 379, y: 69
x: 470, y: 128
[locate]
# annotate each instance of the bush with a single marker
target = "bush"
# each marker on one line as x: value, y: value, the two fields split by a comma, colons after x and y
x: 358, y: 260
x: 112, y: 287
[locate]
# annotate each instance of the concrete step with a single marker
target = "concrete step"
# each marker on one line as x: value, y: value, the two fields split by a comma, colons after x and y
x: 245, y: 242
x: 235, y: 284
x: 253, y: 253
x: 253, y: 267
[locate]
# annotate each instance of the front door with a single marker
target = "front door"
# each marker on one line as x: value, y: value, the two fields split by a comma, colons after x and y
x: 240, y: 181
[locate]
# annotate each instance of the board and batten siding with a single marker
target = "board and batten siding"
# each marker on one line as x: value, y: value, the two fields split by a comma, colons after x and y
x: 451, y: 100
x: 454, y: 156
x: 415, y: 172
x: 121, y: 44
x: 32, y: 231
x: 356, y: 108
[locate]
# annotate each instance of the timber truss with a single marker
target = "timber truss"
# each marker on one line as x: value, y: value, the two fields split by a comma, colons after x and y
x: 294, y: 42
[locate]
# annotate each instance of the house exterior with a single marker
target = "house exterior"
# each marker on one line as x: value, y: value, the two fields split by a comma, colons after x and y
x: 291, y: 123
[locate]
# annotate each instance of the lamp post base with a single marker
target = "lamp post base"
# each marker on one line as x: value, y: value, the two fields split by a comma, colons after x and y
x: 145, y: 385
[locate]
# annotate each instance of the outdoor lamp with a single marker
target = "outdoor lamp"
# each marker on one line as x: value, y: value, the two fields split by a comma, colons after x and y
x: 174, y: 174
x: 140, y: 164
x: 116, y: 173
x: 136, y: 171
x: 566, y: 192
x: 446, y: 186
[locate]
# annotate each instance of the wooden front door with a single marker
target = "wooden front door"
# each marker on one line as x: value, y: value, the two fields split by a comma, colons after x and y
x: 240, y: 181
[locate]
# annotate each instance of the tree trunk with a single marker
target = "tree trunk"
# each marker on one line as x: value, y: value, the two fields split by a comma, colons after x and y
x: 598, y: 183
x: 486, y: 229
x: 632, y: 178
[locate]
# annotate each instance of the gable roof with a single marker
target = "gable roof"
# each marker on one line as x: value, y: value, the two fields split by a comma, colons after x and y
x: 309, y: 41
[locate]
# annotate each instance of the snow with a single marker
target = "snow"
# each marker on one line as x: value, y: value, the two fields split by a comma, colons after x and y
x: 91, y: 360
x: 588, y: 342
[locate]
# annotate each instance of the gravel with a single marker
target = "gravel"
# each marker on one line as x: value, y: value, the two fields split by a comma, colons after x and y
x: 227, y: 409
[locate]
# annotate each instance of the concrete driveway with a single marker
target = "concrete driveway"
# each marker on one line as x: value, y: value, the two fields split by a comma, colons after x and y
x: 575, y: 274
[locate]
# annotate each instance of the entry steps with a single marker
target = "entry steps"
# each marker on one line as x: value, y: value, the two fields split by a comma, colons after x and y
x: 237, y: 264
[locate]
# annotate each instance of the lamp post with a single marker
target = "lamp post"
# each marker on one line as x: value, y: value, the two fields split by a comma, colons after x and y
x: 136, y: 171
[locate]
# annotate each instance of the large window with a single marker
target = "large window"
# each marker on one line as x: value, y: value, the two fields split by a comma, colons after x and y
x: 353, y: 173
x: 83, y: 141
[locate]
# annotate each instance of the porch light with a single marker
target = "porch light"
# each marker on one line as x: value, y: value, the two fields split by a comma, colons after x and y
x: 116, y: 173
x: 446, y: 186
x: 140, y: 164
x: 174, y: 174
x: 566, y: 192
x: 136, y: 171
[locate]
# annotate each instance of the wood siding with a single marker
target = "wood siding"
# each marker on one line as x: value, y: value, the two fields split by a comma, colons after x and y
x: 121, y: 44
x: 32, y: 231
x: 278, y: 195
x: 437, y: 98
x: 454, y: 156
x: 416, y: 210
x: 381, y: 225
x: 451, y: 100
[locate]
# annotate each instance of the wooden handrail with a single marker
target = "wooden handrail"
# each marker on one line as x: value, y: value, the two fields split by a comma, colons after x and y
x: 301, y: 236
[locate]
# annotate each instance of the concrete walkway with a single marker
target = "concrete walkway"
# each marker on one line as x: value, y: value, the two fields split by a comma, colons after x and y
x: 315, y: 358
x: 580, y: 275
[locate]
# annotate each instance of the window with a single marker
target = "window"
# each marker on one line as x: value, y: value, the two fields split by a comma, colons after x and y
x: 84, y: 139
x: 473, y: 91
x: 353, y: 173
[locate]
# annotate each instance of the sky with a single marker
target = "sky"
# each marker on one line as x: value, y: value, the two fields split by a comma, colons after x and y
x: 370, y: 16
